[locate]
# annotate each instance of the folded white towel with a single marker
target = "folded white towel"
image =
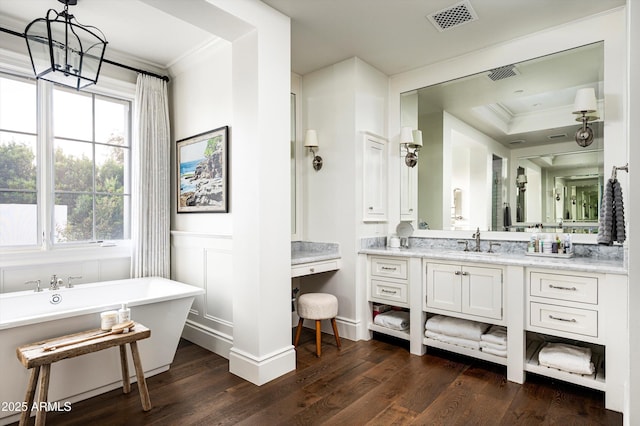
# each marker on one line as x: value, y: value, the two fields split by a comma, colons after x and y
x: 498, y: 352
x: 493, y: 346
x: 574, y: 359
x: 458, y: 341
x: 496, y: 334
x: 396, y: 320
x: 456, y: 327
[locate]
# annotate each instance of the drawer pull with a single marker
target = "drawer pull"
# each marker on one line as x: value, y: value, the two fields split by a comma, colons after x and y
x: 388, y: 268
x: 465, y: 273
x: 458, y: 272
x: 388, y: 291
x: 562, y: 319
x: 559, y: 287
x: 312, y: 269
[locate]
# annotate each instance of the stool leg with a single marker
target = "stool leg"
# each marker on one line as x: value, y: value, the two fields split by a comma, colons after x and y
x: 28, y: 399
x: 335, y: 331
x: 298, y: 331
x: 142, y: 384
x: 124, y: 365
x: 43, y: 393
x: 318, y: 338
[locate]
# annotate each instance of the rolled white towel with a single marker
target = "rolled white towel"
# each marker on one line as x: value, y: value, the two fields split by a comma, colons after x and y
x: 496, y: 334
x: 396, y: 320
x: 498, y: 352
x: 494, y: 346
x: 570, y: 358
x: 458, y: 341
x: 456, y: 327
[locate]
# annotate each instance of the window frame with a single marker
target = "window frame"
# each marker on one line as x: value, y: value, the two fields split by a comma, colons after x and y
x: 45, y: 163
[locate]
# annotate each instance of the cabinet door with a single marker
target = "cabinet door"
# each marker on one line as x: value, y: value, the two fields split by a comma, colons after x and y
x: 375, y: 179
x: 443, y: 287
x: 482, y: 292
x: 408, y: 189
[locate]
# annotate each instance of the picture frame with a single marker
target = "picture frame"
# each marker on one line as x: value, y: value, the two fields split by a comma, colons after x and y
x: 203, y: 172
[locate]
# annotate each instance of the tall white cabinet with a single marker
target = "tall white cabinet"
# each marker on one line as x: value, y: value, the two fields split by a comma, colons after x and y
x: 376, y: 154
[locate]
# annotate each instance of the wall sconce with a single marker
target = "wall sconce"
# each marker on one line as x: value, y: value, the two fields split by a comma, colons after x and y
x: 586, y: 106
x: 521, y: 182
x: 411, y: 139
x: 311, y: 142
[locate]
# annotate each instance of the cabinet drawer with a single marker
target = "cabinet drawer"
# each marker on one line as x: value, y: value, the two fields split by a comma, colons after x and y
x: 563, y: 318
x: 314, y: 268
x: 389, y: 291
x: 565, y: 287
x: 389, y: 267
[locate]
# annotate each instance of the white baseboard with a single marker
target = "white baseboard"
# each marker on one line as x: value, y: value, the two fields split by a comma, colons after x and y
x: 210, y: 339
x: 264, y: 369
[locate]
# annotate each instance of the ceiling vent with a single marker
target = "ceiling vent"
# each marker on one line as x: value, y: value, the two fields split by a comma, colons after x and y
x: 517, y: 141
x: 503, y: 72
x: 453, y: 16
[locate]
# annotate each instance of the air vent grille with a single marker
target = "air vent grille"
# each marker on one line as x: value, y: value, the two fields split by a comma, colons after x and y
x: 503, y: 72
x: 453, y: 16
x: 557, y: 136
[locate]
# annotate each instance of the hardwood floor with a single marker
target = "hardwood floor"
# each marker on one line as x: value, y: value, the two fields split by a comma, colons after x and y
x: 365, y: 383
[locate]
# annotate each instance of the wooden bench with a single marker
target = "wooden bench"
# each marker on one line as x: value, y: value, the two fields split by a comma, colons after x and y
x: 35, y: 357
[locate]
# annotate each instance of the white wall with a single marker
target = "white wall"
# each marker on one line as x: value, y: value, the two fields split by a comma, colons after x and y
x: 241, y: 258
x: 341, y: 102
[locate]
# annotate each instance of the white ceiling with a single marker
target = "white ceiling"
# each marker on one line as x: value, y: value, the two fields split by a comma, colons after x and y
x: 391, y: 35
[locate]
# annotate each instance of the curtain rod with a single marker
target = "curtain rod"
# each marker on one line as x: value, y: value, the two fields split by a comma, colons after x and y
x: 108, y: 61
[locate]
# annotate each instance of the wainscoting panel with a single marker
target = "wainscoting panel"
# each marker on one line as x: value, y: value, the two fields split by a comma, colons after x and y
x: 206, y: 261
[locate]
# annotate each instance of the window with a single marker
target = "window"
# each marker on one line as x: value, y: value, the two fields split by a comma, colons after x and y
x: 74, y: 172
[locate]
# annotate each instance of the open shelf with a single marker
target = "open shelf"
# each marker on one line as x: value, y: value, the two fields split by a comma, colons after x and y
x: 593, y: 381
x: 401, y: 334
x: 464, y: 351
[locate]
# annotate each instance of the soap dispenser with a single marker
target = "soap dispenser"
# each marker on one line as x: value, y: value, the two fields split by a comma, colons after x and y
x: 124, y: 314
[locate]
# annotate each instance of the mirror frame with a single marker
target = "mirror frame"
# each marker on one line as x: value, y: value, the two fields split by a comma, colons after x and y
x: 597, y: 28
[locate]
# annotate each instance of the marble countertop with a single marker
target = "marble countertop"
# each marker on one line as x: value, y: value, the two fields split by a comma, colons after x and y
x: 583, y: 264
x: 308, y: 252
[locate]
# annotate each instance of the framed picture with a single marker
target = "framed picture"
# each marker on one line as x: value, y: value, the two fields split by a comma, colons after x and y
x: 203, y: 175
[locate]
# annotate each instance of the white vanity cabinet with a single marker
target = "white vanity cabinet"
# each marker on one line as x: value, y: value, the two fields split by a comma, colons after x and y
x: 388, y: 284
x: 582, y: 309
x: 467, y: 291
x: 374, y: 178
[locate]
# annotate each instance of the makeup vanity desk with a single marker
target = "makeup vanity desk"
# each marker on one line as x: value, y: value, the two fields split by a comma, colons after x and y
x: 580, y: 301
x: 309, y: 258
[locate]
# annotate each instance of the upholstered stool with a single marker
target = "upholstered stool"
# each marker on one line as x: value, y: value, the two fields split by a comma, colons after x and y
x: 317, y: 306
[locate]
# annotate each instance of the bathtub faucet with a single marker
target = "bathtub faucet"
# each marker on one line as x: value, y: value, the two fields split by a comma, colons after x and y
x: 69, y: 285
x: 37, y: 283
x: 55, y: 283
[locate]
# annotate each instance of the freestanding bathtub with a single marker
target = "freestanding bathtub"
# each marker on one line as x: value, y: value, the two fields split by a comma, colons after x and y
x: 27, y: 316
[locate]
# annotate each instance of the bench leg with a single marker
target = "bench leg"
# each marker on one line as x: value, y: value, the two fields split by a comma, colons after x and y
x: 142, y: 384
x: 43, y: 393
x: 28, y: 399
x: 124, y: 364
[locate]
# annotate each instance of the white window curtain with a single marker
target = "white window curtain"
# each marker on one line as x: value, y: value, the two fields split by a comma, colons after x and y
x: 151, y: 199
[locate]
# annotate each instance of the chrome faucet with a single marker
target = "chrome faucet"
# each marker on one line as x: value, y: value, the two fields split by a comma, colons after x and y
x: 69, y: 285
x: 55, y: 282
x: 37, y: 283
x: 477, y: 237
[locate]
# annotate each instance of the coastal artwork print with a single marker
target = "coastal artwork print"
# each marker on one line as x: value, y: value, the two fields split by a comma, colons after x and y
x: 203, y: 173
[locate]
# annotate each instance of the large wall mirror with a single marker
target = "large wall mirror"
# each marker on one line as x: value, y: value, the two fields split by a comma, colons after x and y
x: 499, y: 152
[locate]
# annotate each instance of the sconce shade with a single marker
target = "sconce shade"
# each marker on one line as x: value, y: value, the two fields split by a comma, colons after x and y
x: 406, y: 135
x: 311, y: 139
x: 63, y: 51
x: 585, y: 101
x: 417, y: 139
